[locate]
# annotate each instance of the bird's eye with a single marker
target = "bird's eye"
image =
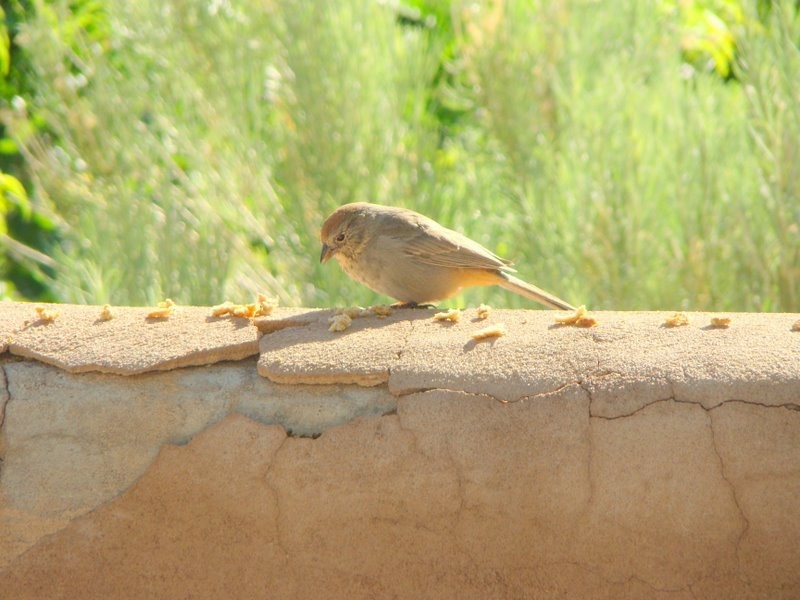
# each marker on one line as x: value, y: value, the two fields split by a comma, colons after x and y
x: 340, y: 237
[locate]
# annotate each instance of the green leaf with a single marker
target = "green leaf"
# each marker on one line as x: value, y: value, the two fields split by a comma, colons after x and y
x: 5, y: 44
x: 12, y: 192
x: 8, y: 146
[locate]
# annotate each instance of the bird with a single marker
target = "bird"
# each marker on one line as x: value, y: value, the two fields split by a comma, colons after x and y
x: 403, y: 254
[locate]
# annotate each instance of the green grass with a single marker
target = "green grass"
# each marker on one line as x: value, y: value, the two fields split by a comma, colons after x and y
x: 195, y: 153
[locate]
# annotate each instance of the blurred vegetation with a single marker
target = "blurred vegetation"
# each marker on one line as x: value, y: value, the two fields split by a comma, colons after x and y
x: 628, y: 155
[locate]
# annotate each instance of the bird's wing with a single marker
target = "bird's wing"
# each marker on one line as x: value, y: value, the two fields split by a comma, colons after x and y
x: 446, y: 248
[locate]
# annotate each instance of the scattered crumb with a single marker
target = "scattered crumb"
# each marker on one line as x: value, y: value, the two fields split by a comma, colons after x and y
x: 796, y: 326
x: 492, y: 331
x: 105, y: 313
x: 339, y: 322
x: 677, y: 320
x: 164, y: 311
x: 46, y: 314
x: 580, y: 318
x: 244, y: 310
x: 483, y: 311
x: 381, y: 310
x: 354, y: 312
x: 453, y: 315
x: 262, y: 307
x: 161, y: 313
x: 720, y: 322
x: 220, y: 310
x: 265, y: 305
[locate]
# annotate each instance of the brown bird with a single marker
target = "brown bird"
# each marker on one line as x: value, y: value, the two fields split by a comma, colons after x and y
x: 406, y: 255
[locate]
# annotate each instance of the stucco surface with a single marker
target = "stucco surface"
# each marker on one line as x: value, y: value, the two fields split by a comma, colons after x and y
x: 413, y: 505
x: 402, y: 459
x: 73, y: 442
x: 78, y: 341
x: 629, y: 360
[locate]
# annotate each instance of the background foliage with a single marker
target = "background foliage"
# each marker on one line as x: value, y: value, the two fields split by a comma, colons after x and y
x: 629, y: 155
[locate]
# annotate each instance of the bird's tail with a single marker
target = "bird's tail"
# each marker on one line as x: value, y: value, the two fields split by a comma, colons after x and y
x: 522, y: 288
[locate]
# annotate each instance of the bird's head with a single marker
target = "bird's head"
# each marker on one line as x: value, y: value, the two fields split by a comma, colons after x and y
x: 343, y: 233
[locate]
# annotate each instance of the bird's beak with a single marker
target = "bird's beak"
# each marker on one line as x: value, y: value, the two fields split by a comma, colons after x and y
x: 327, y: 252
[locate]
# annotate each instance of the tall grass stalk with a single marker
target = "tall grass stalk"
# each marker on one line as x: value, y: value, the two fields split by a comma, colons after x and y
x: 196, y: 156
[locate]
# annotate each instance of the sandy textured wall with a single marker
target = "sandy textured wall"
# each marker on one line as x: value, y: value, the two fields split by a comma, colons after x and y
x: 625, y: 461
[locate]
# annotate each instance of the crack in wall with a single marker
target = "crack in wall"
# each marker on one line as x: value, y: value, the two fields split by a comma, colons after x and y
x: 5, y: 395
x: 723, y: 473
x: 280, y: 536
x: 584, y: 385
x: 5, y: 398
x: 590, y: 467
x: 426, y: 390
x: 611, y: 581
x: 456, y: 535
x: 638, y: 410
x: 708, y: 409
x: 462, y: 495
x: 538, y: 395
x: 655, y: 588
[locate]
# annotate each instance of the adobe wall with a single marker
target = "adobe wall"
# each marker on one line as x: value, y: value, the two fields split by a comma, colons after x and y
x: 197, y: 457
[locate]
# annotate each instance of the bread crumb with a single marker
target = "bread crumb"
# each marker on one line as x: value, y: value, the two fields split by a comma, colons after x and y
x: 354, y: 312
x: 265, y: 305
x: 580, y: 313
x: 586, y: 322
x: 796, y: 326
x: 677, y: 320
x: 453, y: 315
x: 720, y: 322
x: 244, y: 311
x: 343, y: 317
x: 105, y: 313
x: 262, y: 307
x: 220, y: 310
x: 47, y: 315
x: 339, y: 322
x: 492, y: 331
x: 483, y: 311
x: 164, y: 311
x: 381, y: 310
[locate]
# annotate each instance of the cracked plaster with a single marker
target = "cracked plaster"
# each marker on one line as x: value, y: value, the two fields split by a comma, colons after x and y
x: 567, y: 462
x: 3, y: 398
x: 656, y: 516
x: 78, y: 341
x: 756, y: 360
